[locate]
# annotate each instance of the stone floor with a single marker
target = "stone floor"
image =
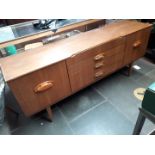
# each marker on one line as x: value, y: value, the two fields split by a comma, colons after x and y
x: 106, y: 107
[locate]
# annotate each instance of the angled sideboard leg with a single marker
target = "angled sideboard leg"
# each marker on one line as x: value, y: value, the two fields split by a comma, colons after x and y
x: 129, y: 69
x: 49, y: 114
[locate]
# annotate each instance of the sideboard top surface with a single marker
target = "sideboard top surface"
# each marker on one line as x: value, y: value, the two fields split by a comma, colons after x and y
x: 23, y: 63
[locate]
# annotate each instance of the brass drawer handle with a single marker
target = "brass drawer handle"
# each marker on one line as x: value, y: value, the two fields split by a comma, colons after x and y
x: 99, y: 64
x: 99, y: 57
x: 98, y: 74
x: 43, y: 86
x: 137, y: 44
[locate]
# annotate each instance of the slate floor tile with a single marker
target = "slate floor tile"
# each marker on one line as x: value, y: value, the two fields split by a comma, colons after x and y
x: 147, y: 127
x: 104, y: 119
x: 80, y: 102
x: 151, y: 74
x: 145, y: 65
x: 43, y: 127
x: 146, y: 79
x: 15, y: 121
x: 4, y: 129
x: 136, y: 74
x: 119, y: 90
x: 145, y: 68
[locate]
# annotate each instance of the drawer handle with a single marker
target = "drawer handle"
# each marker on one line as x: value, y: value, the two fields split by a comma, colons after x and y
x: 98, y: 74
x: 43, y: 86
x: 137, y: 44
x: 98, y: 65
x: 99, y: 57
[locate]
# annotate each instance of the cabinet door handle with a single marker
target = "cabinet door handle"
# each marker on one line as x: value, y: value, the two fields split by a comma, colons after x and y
x: 43, y: 86
x: 98, y: 74
x: 99, y: 57
x: 99, y: 64
x: 137, y: 44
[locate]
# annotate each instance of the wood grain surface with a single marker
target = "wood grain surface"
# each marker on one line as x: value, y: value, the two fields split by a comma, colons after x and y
x: 21, y: 64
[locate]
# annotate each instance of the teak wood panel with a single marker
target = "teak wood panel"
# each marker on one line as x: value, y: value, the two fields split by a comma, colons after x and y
x: 136, y: 44
x: 29, y: 87
x: 81, y: 68
x: 96, y: 50
x: 32, y: 102
x: 61, y: 50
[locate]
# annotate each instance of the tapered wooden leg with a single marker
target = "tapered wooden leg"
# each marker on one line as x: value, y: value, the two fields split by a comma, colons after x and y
x: 49, y: 113
x: 129, y: 69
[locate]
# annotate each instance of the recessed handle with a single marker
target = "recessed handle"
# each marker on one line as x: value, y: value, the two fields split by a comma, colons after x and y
x: 99, y: 57
x: 137, y: 44
x: 99, y: 64
x: 99, y: 74
x: 43, y: 86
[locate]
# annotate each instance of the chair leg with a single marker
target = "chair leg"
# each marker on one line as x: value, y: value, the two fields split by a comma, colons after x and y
x: 139, y: 124
x: 49, y: 114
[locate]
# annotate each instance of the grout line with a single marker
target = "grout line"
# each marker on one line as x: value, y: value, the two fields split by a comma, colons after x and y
x: 65, y: 119
x: 23, y: 125
x: 109, y: 100
x: 150, y: 72
x: 137, y: 80
x: 95, y: 89
x: 85, y: 112
x: 126, y: 116
x: 12, y: 131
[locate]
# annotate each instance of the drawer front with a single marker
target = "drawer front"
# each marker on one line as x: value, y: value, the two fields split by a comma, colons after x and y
x: 136, y: 44
x: 94, y: 51
x: 112, y: 60
x: 86, y: 67
x: 41, y: 88
x: 106, y: 70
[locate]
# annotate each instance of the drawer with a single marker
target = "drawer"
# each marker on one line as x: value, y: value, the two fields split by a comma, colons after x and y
x: 82, y: 67
x: 41, y: 88
x: 106, y: 70
x: 110, y: 64
x: 136, y: 44
x: 90, y: 53
x: 110, y: 56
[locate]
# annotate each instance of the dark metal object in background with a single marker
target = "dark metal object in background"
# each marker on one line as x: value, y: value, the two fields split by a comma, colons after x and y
x: 143, y: 114
x: 151, y: 42
x: 2, y: 84
x: 47, y: 24
x: 43, y: 24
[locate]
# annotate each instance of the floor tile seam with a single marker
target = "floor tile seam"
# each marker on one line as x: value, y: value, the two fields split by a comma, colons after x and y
x: 109, y: 100
x: 66, y: 121
x: 137, y: 81
x: 37, y: 118
x: 126, y: 116
x: 87, y: 111
x: 146, y: 74
x: 100, y: 93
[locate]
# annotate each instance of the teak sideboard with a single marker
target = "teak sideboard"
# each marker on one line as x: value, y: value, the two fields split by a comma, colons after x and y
x: 43, y: 76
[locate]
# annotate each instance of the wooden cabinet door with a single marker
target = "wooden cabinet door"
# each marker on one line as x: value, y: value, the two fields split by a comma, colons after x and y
x: 136, y: 44
x: 87, y: 67
x: 41, y: 88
